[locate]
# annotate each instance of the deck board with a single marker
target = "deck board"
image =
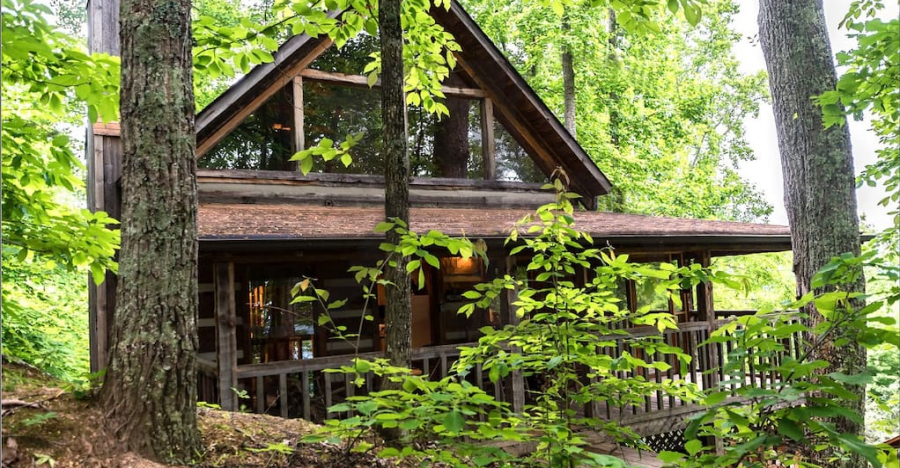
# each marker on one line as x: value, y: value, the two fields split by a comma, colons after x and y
x: 638, y: 458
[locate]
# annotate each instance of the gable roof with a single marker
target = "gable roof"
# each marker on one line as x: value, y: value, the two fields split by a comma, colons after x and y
x: 523, y: 113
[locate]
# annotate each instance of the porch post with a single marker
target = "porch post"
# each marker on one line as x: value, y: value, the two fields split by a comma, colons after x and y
x: 705, y: 308
x: 708, y: 312
x: 517, y: 382
x: 103, y: 155
x: 226, y: 336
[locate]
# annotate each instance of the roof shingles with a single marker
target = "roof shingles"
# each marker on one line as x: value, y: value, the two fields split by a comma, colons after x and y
x: 283, y: 221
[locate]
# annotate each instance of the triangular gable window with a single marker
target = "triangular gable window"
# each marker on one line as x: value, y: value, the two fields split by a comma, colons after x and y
x: 337, y: 102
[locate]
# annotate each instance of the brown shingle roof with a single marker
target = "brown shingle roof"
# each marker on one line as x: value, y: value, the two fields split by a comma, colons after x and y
x: 294, y: 222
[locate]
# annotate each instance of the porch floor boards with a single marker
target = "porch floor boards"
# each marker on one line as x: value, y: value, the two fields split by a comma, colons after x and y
x: 637, y: 458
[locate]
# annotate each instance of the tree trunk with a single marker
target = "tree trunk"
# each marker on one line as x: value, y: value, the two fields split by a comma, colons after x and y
x: 615, y: 200
x: 817, y: 163
x: 150, y: 393
x: 451, y: 141
x: 568, y: 74
x: 398, y: 314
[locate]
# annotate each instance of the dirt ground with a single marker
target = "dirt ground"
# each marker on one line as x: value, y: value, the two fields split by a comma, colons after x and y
x: 45, y: 425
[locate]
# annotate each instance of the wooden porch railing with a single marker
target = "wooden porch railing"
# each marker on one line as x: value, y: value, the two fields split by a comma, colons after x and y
x: 302, y: 388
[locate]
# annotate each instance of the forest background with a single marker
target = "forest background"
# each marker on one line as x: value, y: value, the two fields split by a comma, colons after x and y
x: 663, y: 113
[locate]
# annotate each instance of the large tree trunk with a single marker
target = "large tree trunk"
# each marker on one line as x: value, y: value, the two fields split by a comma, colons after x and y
x: 398, y: 314
x: 568, y: 74
x: 150, y: 389
x: 817, y: 163
x: 451, y: 141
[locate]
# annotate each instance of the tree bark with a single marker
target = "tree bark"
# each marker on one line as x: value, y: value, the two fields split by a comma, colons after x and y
x: 817, y: 163
x: 150, y: 389
x: 398, y: 315
x: 451, y: 141
x: 568, y: 74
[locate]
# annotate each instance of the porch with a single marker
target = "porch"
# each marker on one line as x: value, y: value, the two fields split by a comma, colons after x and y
x: 304, y: 388
x: 276, y: 353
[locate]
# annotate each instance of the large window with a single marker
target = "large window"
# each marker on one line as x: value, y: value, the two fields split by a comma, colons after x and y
x: 330, y: 100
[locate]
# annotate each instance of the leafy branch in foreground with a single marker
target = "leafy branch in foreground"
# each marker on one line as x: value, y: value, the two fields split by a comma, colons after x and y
x: 561, y: 341
x: 775, y: 401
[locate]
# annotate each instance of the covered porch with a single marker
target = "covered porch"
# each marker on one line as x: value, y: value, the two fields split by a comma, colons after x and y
x: 252, y: 339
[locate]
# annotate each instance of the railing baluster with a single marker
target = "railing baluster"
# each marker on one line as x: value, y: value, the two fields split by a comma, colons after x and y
x: 328, y: 397
x: 282, y: 390
x: 260, y: 395
x: 660, y: 403
x: 304, y: 381
x: 350, y: 390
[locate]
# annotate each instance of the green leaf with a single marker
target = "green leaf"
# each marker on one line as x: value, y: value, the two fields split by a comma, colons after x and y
x: 339, y: 408
x: 454, y: 421
x: 673, y: 6
x: 384, y: 226
x: 693, y: 446
x: 389, y: 452
x: 868, y: 452
x: 669, y: 457
x: 716, y: 398
x: 789, y: 428
x: 306, y: 165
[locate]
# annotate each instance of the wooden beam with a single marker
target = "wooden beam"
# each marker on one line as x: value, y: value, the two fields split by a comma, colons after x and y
x: 360, y: 81
x: 226, y: 335
x: 487, y: 139
x: 299, y: 143
x: 285, y: 78
x: 705, y: 309
x: 545, y: 161
x: 107, y: 129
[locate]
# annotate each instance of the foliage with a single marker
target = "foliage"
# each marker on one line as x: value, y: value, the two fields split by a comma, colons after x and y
x: 661, y: 110
x: 44, y: 321
x: 559, y: 342
x: 42, y: 66
x: 870, y: 84
x: 46, y: 240
x: 768, y: 277
x: 223, y: 14
x: 773, y: 422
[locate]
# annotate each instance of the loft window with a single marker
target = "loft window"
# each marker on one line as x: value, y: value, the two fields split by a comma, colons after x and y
x: 513, y: 162
x: 329, y: 100
x: 263, y: 141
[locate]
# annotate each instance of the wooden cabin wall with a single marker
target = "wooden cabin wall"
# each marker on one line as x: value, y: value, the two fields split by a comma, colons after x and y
x: 103, y: 154
x: 206, y: 313
x: 434, y: 305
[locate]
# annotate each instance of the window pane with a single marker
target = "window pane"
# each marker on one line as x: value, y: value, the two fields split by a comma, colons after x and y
x: 513, y: 162
x: 263, y: 141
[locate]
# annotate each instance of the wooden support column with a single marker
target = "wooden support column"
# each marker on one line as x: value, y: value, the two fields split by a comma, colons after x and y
x: 103, y: 157
x: 226, y: 335
x: 706, y: 309
x: 487, y: 139
x: 517, y: 381
x: 299, y: 142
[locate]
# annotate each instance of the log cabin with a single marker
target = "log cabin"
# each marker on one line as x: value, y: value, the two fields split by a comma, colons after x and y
x: 264, y: 225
